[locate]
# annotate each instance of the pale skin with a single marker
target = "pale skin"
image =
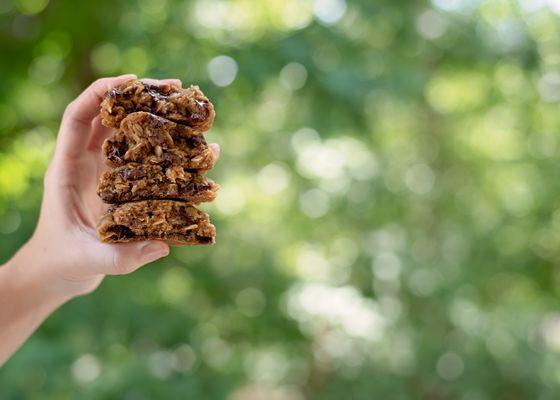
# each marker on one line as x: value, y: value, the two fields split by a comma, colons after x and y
x: 64, y: 257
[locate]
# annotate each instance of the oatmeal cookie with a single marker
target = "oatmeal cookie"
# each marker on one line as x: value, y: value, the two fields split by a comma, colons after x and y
x: 133, y: 182
x: 171, y: 221
x: 184, y: 106
x: 146, y: 138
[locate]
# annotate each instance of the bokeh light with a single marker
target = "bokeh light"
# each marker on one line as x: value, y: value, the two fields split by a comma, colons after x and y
x: 388, y: 219
x: 222, y: 70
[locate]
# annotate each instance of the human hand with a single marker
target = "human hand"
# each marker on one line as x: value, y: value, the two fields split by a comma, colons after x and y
x: 65, y: 258
x: 66, y: 238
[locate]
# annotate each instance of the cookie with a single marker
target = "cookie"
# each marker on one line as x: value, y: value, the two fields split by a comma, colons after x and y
x: 184, y: 106
x: 134, y: 182
x: 172, y: 221
x: 149, y: 139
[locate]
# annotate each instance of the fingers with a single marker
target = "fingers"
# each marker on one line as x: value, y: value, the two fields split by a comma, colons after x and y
x: 85, y: 107
x: 76, y: 122
x: 157, y: 82
x: 175, y: 82
x: 124, y: 258
x: 215, y: 147
x: 99, y: 133
x: 76, y: 127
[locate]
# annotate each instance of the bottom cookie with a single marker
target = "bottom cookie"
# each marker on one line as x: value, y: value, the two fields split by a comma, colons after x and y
x: 172, y: 221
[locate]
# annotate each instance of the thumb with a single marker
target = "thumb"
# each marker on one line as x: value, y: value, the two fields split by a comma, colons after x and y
x: 128, y: 257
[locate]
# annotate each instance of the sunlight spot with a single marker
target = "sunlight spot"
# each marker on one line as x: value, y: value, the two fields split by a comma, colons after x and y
x: 314, y: 203
x: 450, y: 366
x: 222, y: 70
x: 293, y: 76
x: 273, y: 178
x: 329, y: 12
x: 86, y: 368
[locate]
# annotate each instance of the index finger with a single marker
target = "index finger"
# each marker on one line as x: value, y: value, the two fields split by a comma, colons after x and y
x: 158, y: 82
x: 78, y: 116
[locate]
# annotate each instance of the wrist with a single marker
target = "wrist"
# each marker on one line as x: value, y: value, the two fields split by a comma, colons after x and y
x: 39, y: 267
x: 26, y: 299
x: 29, y: 273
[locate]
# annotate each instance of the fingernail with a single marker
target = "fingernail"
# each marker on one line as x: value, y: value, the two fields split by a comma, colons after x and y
x: 215, y: 149
x: 127, y: 76
x: 153, y: 251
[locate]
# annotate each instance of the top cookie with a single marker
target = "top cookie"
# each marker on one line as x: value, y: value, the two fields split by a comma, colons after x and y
x: 184, y: 106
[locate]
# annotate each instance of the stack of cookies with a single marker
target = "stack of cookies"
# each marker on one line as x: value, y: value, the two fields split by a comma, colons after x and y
x: 159, y: 158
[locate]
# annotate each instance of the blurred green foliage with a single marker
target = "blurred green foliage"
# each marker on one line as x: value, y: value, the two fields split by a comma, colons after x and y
x: 388, y: 224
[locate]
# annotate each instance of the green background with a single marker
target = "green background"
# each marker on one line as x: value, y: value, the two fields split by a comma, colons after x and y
x: 389, y: 218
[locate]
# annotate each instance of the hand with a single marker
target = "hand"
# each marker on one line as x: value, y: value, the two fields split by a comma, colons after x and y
x: 66, y: 238
x: 65, y: 258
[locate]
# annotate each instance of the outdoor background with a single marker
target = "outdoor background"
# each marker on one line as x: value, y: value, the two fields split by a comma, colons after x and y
x: 389, y: 219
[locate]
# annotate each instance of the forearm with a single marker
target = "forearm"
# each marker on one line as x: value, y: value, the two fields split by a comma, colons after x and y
x: 26, y: 300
